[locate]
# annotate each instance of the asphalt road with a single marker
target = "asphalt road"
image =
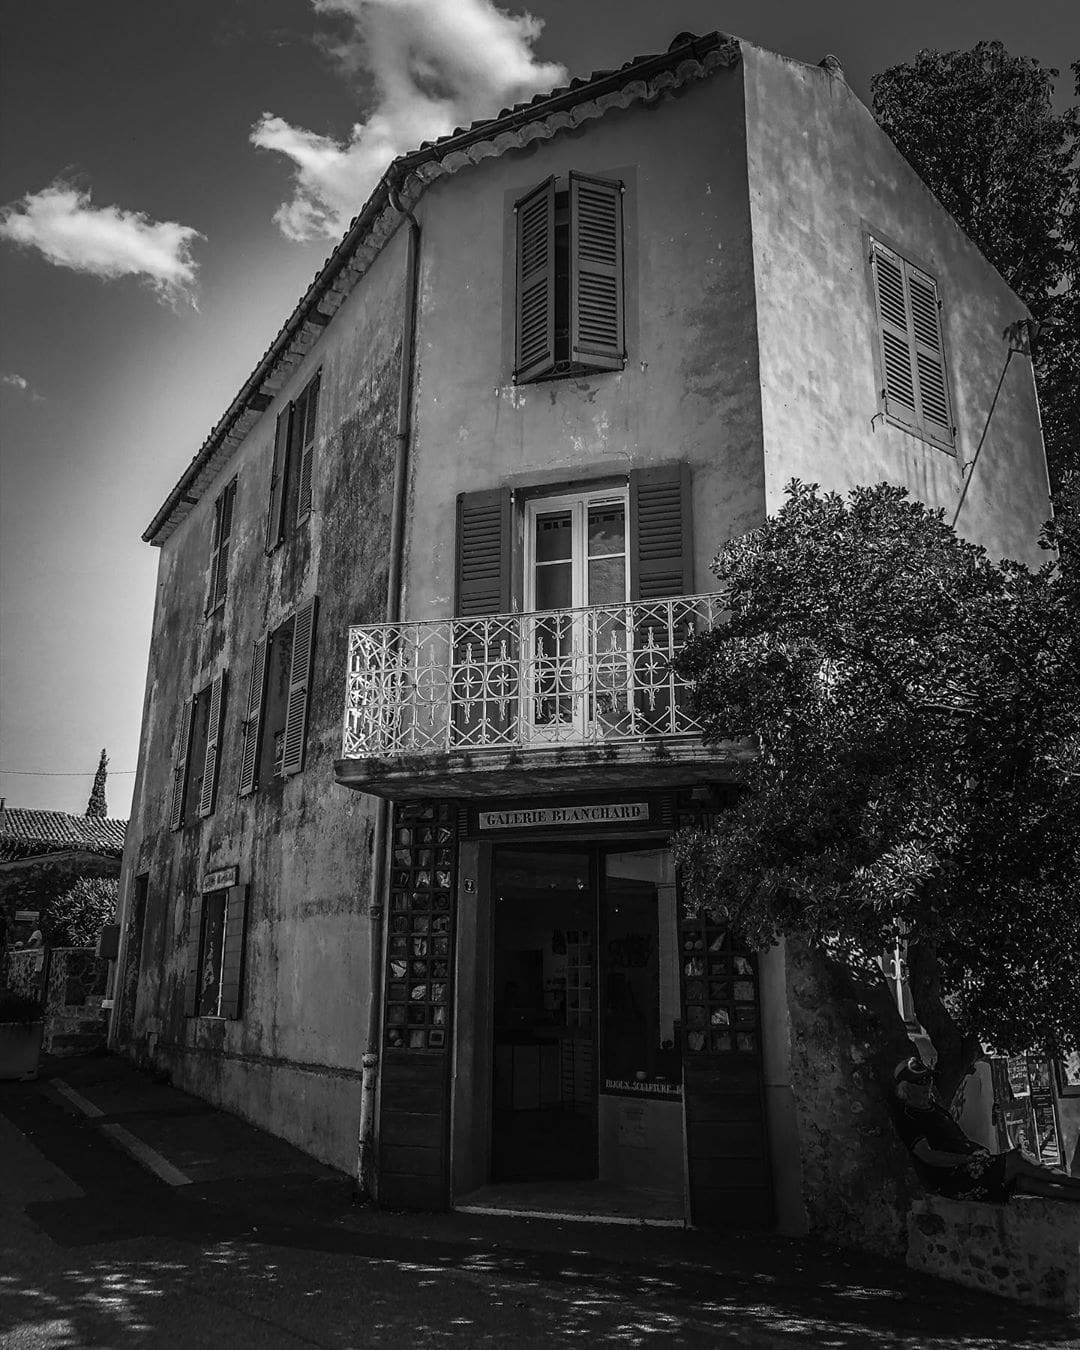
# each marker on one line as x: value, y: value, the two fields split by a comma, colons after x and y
x: 266, y: 1249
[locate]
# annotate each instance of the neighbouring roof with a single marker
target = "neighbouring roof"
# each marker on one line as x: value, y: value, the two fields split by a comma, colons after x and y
x: 641, y: 80
x: 25, y: 832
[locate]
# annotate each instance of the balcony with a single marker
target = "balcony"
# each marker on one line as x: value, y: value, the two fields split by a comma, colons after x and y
x: 543, y: 702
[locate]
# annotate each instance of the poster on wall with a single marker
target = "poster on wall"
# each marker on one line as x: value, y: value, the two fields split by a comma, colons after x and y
x: 1046, y: 1135
x: 1069, y: 1074
x: 1019, y: 1132
x: 1016, y: 1066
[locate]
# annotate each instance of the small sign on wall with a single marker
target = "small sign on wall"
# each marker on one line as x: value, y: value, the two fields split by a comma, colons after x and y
x: 221, y: 878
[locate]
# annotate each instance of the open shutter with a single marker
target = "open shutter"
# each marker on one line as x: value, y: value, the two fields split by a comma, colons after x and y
x: 661, y: 543
x: 596, y: 272
x: 933, y: 397
x: 194, y: 941
x: 483, y: 553
x: 253, y: 718
x: 303, y: 649
x: 275, y: 515
x: 896, y: 345
x: 213, y: 740
x: 180, y: 767
x: 534, y: 314
x: 232, y: 963
x: 306, y: 416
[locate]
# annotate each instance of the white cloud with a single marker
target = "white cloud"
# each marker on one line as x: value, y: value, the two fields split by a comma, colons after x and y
x: 106, y: 241
x: 21, y: 383
x: 435, y: 65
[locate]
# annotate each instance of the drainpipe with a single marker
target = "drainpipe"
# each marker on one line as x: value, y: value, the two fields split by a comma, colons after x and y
x: 365, y: 1162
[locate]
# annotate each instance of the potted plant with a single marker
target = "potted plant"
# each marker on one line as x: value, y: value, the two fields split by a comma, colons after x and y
x: 22, y: 1023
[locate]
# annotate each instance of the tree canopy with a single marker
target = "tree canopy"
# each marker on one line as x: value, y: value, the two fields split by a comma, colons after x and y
x: 76, y: 917
x: 979, y: 127
x: 917, y: 707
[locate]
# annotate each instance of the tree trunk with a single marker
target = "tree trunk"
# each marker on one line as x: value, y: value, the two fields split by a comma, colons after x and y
x: 956, y: 1051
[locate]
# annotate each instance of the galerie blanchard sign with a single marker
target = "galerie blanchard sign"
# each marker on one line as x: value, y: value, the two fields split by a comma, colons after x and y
x: 616, y: 813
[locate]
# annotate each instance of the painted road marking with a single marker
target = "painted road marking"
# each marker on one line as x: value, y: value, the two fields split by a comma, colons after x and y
x: 77, y: 1099
x: 149, y: 1157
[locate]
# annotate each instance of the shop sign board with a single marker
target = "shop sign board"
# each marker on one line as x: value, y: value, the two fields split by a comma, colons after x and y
x: 221, y: 878
x: 610, y: 813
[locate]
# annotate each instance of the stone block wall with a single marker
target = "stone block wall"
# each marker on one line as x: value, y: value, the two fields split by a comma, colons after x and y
x: 1027, y: 1250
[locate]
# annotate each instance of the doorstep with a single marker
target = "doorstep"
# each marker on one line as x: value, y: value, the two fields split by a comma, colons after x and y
x: 576, y: 1202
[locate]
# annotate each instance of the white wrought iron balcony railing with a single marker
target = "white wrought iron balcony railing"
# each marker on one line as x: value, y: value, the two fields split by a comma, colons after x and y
x: 588, y: 676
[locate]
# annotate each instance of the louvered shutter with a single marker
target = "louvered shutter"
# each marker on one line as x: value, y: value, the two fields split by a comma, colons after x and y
x: 306, y: 417
x: 213, y: 741
x: 249, y: 755
x: 275, y: 515
x: 483, y: 553
x: 180, y: 767
x: 890, y: 287
x: 232, y: 962
x: 227, y: 499
x: 933, y: 396
x: 303, y: 647
x: 534, y: 315
x: 596, y: 272
x: 194, y: 942
x: 661, y: 544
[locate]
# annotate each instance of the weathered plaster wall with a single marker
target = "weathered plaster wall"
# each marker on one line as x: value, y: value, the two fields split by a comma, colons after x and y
x: 291, y: 1062
x: 821, y: 174
x: 689, y: 389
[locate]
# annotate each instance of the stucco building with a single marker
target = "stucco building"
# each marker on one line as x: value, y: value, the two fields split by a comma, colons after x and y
x: 397, y: 882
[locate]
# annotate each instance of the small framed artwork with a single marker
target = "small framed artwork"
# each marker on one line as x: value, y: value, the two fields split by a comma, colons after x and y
x: 1068, y: 1072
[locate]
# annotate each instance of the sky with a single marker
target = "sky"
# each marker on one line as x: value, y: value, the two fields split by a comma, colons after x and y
x: 171, y: 178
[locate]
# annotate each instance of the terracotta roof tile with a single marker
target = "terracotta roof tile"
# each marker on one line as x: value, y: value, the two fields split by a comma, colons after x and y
x: 21, y: 825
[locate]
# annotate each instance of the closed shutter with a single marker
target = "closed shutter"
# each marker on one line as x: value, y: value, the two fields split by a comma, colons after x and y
x: 915, y: 388
x: 534, y: 316
x: 483, y: 553
x: 929, y: 354
x: 306, y: 415
x: 275, y: 516
x: 232, y: 963
x: 219, y: 556
x: 303, y: 647
x: 661, y: 543
x: 213, y: 740
x: 249, y: 755
x: 194, y: 942
x: 596, y: 272
x: 180, y: 767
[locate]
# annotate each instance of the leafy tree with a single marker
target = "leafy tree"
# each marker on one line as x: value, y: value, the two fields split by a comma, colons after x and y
x: 918, y: 713
x: 77, y: 916
x: 980, y: 130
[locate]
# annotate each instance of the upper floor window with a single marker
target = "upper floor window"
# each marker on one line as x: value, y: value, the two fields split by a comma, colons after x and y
x: 568, y: 309
x: 915, y: 387
x: 576, y: 550
x: 219, y: 553
x: 275, y: 722
x: 195, y: 763
x: 291, y: 474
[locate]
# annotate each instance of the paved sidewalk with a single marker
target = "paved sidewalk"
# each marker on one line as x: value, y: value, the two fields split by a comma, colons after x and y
x: 191, y: 1227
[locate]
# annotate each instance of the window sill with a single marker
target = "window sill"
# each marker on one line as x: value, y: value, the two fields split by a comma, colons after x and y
x: 566, y: 370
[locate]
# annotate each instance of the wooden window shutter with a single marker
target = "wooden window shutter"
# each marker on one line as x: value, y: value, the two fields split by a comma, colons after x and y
x: 596, y: 272
x: 233, y: 957
x: 306, y: 416
x: 895, y: 334
x: 933, y: 396
x: 180, y: 766
x: 194, y: 944
x: 275, y: 515
x: 303, y: 650
x: 534, y: 310
x: 483, y: 553
x: 219, y: 554
x: 249, y: 755
x: 213, y: 741
x: 661, y: 542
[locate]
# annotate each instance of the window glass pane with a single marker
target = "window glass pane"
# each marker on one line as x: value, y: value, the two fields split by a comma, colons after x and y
x: 607, y: 581
x: 553, y: 536
x: 213, y: 945
x: 553, y: 585
x: 607, y: 529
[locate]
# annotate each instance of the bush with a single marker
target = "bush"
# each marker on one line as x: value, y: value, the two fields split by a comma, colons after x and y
x: 77, y: 917
x: 21, y: 1008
